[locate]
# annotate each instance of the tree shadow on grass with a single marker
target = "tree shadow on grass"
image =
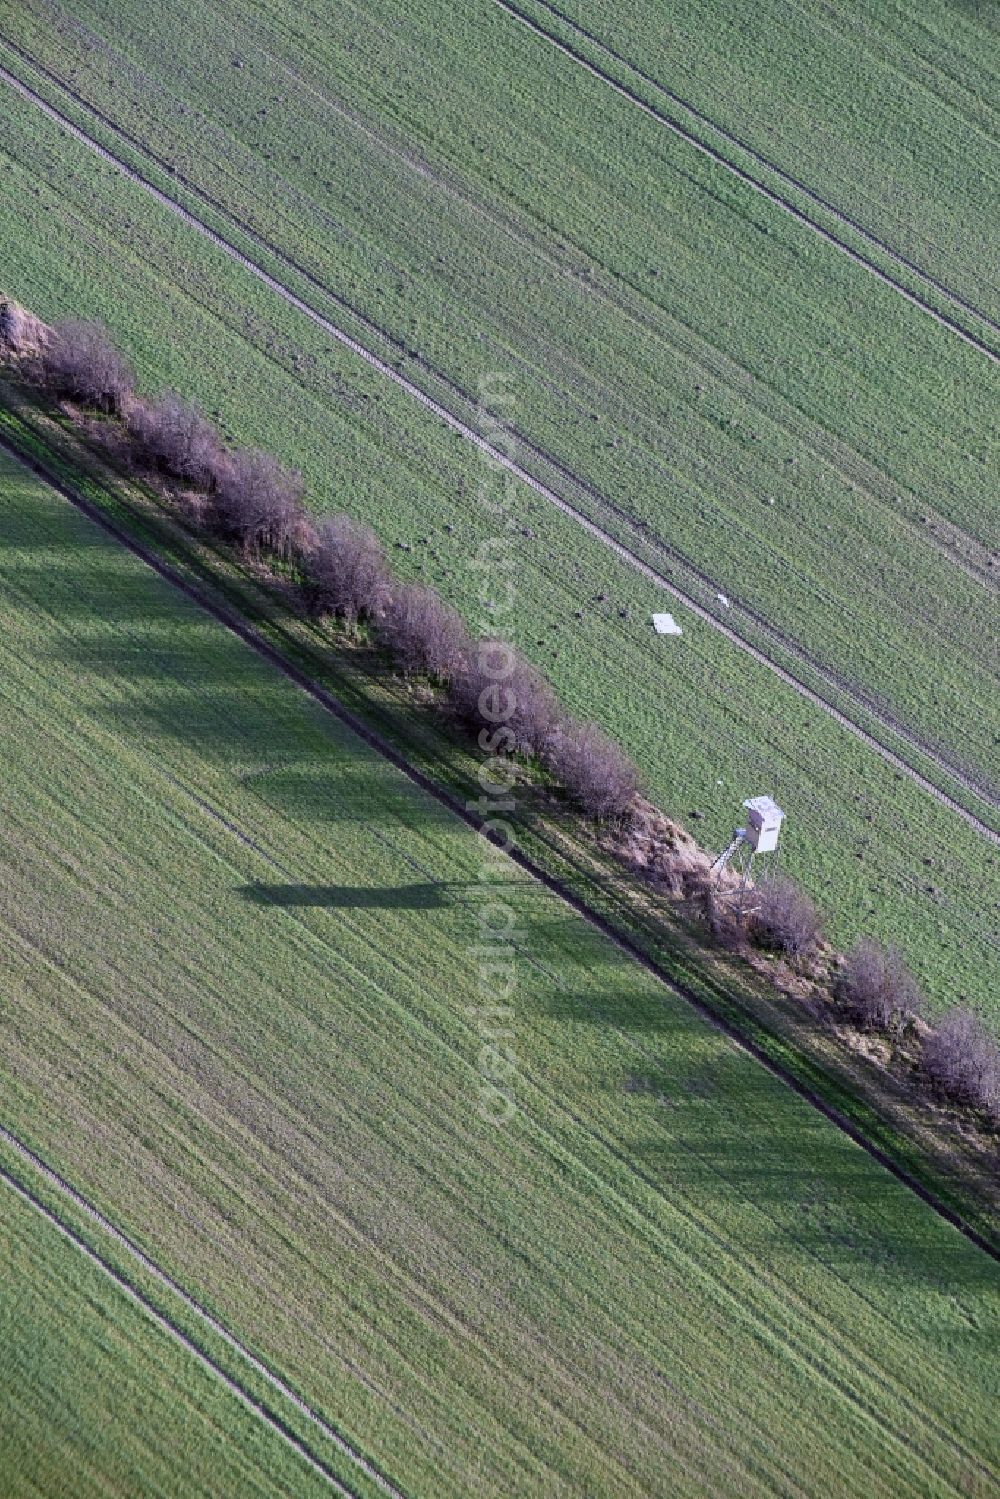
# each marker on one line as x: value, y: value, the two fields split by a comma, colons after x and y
x: 349, y: 897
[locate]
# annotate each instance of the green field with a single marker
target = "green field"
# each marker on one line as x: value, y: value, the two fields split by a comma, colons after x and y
x: 98, y: 1401
x: 240, y: 955
x: 887, y: 110
x: 245, y: 991
x: 893, y: 606
x: 704, y: 368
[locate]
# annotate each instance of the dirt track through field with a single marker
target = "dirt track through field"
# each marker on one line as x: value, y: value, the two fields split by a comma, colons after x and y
x: 497, y: 456
x: 269, y: 1418
x: 252, y: 637
x: 783, y: 177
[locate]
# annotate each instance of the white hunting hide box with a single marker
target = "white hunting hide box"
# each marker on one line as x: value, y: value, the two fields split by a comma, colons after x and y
x: 764, y: 819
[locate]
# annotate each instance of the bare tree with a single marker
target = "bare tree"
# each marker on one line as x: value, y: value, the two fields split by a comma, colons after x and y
x: 962, y: 1061
x: 877, y: 987
x: 784, y: 917
x: 12, y: 326
x: 537, y: 713
x: 596, y: 771
x: 346, y: 572
x: 306, y: 539
x: 504, y: 699
x: 424, y: 634
x: 81, y: 361
x: 257, y: 502
x: 172, y: 433
x: 720, y: 910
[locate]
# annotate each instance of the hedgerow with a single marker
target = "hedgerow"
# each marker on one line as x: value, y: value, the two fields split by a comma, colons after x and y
x: 253, y: 502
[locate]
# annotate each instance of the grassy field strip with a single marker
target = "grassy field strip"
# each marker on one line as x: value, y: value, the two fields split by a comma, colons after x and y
x: 161, y: 1322
x: 189, y: 1324
x: 791, y: 85
x: 925, y: 56
x: 581, y: 35
x: 276, y: 1225
x: 225, y: 158
x: 467, y: 1331
x: 704, y: 1418
x: 924, y: 1414
x: 356, y: 1463
x: 499, y: 457
x: 439, y: 178
x: 101, y: 1395
x: 753, y: 622
x: 344, y: 309
x: 713, y: 359
x: 708, y: 691
x: 281, y: 206
x: 657, y: 482
x: 768, y: 1234
x: 251, y: 637
x: 642, y: 534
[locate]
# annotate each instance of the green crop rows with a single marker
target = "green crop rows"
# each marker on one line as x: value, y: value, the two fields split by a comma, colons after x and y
x: 97, y: 1401
x: 886, y: 110
x: 241, y: 1027
x: 77, y: 237
x: 719, y: 376
x: 242, y: 954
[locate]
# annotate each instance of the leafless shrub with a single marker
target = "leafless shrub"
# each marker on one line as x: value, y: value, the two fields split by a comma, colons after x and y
x: 536, y: 708
x: 596, y: 771
x: 877, y: 987
x: 962, y: 1060
x: 424, y: 634
x: 172, y: 434
x: 15, y: 327
x: 306, y: 538
x: 21, y: 332
x: 504, y: 699
x: 257, y: 502
x: 346, y: 572
x: 722, y: 915
x: 784, y: 917
x: 81, y: 361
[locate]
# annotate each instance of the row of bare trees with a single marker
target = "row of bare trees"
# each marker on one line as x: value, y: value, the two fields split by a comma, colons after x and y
x: 253, y: 502
x: 959, y: 1056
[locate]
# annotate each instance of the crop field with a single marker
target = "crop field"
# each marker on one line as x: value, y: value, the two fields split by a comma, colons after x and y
x: 913, y: 163
x: 867, y: 576
x: 238, y: 1016
x: 267, y: 1223
x: 96, y: 1401
x: 698, y: 372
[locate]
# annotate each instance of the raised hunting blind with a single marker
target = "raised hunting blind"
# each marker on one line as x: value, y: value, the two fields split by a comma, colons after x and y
x: 760, y: 836
x: 764, y: 819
